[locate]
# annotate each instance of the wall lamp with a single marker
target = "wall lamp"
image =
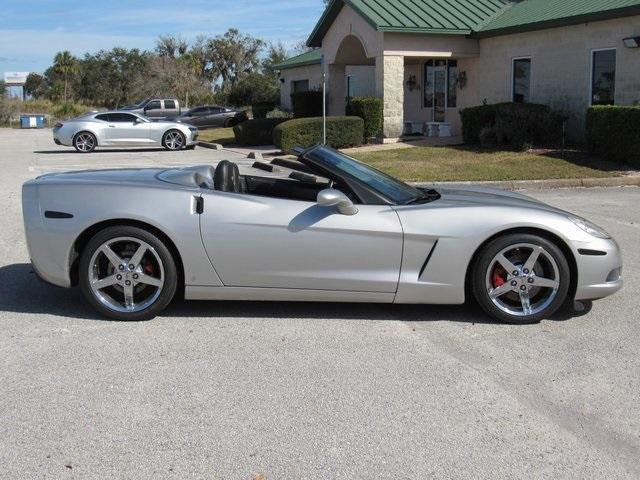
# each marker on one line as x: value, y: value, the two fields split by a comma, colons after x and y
x: 631, y: 42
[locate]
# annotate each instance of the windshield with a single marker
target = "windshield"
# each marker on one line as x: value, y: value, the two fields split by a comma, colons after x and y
x: 398, y: 192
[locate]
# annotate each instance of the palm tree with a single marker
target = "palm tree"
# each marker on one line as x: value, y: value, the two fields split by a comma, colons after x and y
x: 66, y: 64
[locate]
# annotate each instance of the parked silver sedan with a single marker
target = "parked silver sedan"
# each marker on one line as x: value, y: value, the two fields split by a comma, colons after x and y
x: 122, y: 129
x: 326, y: 228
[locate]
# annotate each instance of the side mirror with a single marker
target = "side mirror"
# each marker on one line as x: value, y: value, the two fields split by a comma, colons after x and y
x: 335, y: 198
x: 137, y: 120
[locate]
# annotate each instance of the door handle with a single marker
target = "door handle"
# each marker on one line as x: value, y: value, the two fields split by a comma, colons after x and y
x: 112, y: 126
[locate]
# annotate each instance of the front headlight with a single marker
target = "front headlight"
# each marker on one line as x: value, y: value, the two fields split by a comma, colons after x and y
x: 590, y: 228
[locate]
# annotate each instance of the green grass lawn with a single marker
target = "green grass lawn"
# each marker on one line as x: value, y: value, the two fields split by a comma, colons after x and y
x: 441, y: 164
x: 223, y: 136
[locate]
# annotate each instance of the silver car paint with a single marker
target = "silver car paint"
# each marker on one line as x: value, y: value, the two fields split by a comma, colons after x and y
x: 113, y: 134
x: 261, y: 248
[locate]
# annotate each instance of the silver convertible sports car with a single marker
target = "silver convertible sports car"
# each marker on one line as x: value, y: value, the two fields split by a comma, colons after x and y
x: 123, y: 129
x: 325, y: 228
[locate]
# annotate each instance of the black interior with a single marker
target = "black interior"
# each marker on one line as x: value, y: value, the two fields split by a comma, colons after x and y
x: 227, y: 178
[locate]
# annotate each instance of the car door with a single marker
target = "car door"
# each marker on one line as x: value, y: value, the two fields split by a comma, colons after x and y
x: 199, y: 117
x: 127, y: 129
x: 212, y: 117
x: 256, y: 241
x: 153, y: 109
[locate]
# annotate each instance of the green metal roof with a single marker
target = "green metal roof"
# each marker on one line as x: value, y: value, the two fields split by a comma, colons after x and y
x: 414, y: 16
x: 312, y: 57
x: 480, y: 18
x: 528, y: 15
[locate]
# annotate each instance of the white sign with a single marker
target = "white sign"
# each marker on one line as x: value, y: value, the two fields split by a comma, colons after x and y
x: 15, y: 78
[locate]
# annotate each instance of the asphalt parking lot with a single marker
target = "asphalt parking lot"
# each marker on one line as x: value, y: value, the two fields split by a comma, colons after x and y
x: 232, y: 390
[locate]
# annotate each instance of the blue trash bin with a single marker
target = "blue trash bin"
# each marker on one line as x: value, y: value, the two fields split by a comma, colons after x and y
x: 32, y: 121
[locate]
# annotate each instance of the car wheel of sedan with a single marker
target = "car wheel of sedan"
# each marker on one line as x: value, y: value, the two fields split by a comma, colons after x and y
x: 173, y: 140
x: 85, y: 142
x: 521, y: 278
x: 127, y: 273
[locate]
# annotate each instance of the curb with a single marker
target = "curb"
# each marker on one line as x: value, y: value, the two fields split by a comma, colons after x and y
x: 212, y: 146
x: 625, y: 181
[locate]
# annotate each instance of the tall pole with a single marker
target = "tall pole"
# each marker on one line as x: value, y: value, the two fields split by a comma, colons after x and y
x: 324, y: 103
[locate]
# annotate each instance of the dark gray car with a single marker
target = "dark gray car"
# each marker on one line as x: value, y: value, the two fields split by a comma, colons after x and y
x: 210, y: 116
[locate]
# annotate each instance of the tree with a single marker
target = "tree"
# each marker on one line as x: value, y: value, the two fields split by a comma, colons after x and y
x: 3, y: 88
x: 254, y: 88
x: 67, y: 65
x: 171, y: 47
x: 36, y: 85
x: 277, y: 53
x: 232, y: 56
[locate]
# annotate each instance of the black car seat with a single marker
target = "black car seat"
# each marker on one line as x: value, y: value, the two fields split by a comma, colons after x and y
x: 227, y: 177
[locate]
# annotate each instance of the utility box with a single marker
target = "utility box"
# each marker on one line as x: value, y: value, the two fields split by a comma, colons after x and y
x: 32, y: 121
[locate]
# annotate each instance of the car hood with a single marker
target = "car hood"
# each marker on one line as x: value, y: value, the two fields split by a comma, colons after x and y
x: 471, y: 195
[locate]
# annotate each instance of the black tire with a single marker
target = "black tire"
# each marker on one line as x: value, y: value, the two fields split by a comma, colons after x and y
x: 167, y: 291
x: 485, y: 260
x: 167, y: 142
x: 85, y: 142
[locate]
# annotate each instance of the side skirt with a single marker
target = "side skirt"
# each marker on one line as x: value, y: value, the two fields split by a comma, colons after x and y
x: 284, y: 294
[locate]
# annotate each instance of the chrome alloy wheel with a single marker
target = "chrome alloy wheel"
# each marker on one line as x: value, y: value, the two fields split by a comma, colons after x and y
x: 174, y: 140
x: 126, y: 274
x: 523, y: 279
x: 85, y: 142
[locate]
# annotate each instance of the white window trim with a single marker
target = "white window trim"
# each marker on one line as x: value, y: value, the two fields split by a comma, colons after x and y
x: 512, y: 76
x: 423, y: 68
x: 590, y: 79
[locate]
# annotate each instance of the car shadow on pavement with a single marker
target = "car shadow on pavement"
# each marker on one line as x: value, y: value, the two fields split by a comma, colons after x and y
x: 21, y: 291
x: 110, y: 150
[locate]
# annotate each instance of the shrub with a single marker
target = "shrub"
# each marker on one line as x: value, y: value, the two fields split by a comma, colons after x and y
x: 304, y: 132
x: 307, y: 104
x: 65, y: 111
x: 256, y: 132
x: 612, y: 133
x: 370, y: 109
x: 515, y: 125
x: 261, y: 109
x: 9, y: 109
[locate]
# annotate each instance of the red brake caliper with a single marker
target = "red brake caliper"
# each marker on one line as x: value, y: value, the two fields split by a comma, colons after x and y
x: 499, y: 277
x: 148, y: 269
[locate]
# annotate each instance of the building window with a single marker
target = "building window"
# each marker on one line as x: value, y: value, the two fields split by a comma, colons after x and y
x: 299, y: 86
x: 603, y: 77
x: 522, y: 80
x: 452, y: 84
x: 440, y: 84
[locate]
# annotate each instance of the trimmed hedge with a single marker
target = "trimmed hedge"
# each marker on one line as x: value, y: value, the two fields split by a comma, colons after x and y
x: 304, y: 132
x: 370, y: 109
x: 613, y: 133
x: 307, y: 104
x: 514, y: 125
x: 256, y: 132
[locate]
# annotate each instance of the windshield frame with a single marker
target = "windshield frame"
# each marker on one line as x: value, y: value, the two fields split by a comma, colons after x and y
x: 367, y: 189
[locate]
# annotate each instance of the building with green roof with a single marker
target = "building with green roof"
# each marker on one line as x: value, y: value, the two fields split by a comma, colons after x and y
x: 430, y: 58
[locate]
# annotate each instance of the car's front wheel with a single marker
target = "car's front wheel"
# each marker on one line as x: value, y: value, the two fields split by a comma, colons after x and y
x: 85, y: 142
x: 520, y: 278
x: 127, y: 273
x: 173, y: 140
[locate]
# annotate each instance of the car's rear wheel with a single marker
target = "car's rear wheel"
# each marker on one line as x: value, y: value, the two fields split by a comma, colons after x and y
x: 520, y: 278
x: 85, y: 142
x: 127, y: 273
x: 173, y: 140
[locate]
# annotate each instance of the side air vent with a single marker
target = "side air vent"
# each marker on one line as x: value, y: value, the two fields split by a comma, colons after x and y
x: 58, y: 215
x: 426, y: 262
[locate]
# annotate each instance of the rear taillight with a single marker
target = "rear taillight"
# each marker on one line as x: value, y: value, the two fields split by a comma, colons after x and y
x: 58, y: 125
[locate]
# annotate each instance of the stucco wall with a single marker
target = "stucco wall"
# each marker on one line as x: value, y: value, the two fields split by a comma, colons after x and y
x: 348, y: 22
x: 560, y: 66
x: 313, y: 73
